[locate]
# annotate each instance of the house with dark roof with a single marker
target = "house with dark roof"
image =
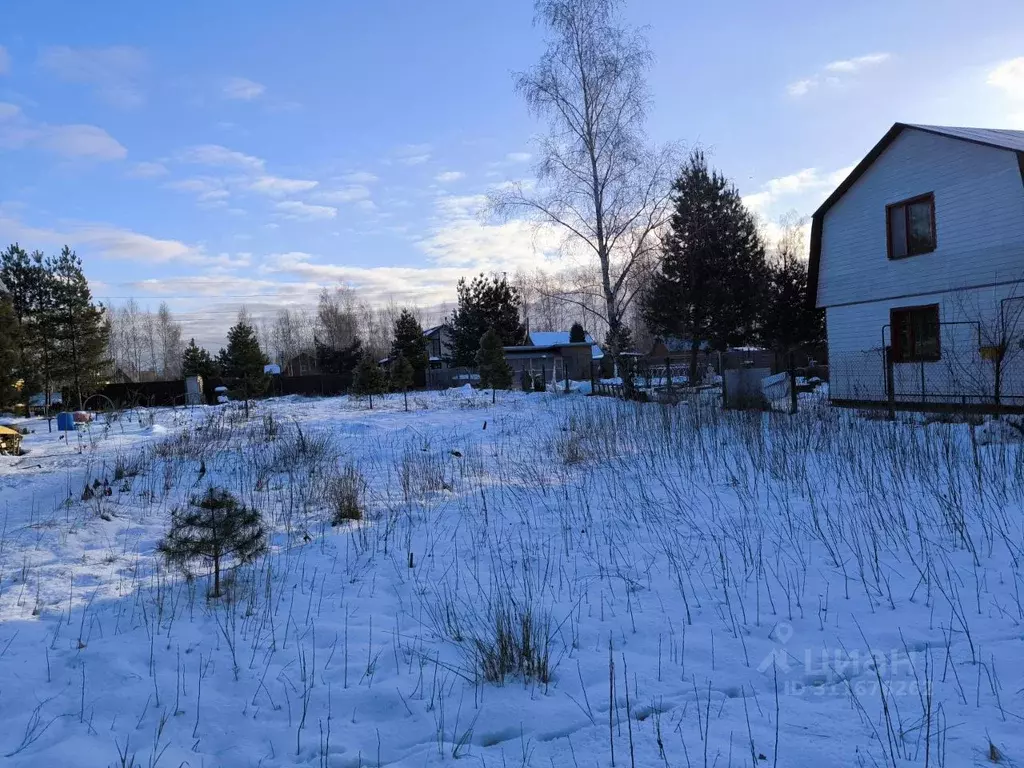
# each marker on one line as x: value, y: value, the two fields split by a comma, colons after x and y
x: 917, y: 259
x: 552, y: 355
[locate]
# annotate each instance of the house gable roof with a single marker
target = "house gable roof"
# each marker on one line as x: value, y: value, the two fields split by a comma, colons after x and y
x: 1012, y: 141
x: 561, y: 338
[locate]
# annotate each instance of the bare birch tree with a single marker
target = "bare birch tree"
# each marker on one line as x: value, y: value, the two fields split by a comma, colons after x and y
x: 600, y: 183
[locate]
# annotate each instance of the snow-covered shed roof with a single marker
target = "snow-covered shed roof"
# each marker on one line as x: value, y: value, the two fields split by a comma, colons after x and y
x: 555, y: 338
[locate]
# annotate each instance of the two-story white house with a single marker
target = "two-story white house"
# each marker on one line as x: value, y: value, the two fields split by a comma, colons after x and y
x: 918, y: 260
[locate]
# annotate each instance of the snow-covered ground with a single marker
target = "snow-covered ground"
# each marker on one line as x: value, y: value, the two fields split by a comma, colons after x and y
x: 696, y: 588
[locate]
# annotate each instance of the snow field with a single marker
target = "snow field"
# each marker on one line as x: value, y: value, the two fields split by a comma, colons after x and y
x: 592, y: 582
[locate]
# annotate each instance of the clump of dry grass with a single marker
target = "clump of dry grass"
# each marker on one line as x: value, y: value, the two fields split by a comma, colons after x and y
x: 346, y: 495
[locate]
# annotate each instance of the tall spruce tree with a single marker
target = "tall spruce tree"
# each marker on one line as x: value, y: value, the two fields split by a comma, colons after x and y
x: 82, y: 332
x: 9, y: 351
x: 788, y: 322
x: 369, y: 379
x: 577, y: 334
x: 197, y: 361
x: 710, y: 281
x: 495, y: 371
x: 244, y: 361
x: 485, y: 304
x: 30, y: 287
x: 18, y: 273
x: 410, y: 344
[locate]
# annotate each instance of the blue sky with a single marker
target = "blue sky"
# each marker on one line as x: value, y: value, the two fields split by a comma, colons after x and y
x: 218, y: 153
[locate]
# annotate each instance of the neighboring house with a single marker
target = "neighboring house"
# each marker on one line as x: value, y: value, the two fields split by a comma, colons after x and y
x: 551, y: 354
x: 440, y: 345
x: 918, y: 260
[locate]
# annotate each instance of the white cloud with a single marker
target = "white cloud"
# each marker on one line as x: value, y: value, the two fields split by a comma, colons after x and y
x: 858, y: 63
x: 216, y: 155
x: 115, y: 73
x: 82, y: 141
x: 412, y: 154
x: 518, y: 157
x: 5, y: 61
x: 1008, y: 78
x: 210, y: 192
x: 449, y: 176
x: 801, y: 87
x: 293, y: 209
x: 17, y: 131
x: 836, y: 73
x: 802, y: 187
x: 109, y: 242
x: 275, y: 186
x: 462, y: 236
x: 147, y: 170
x: 359, y: 177
x: 348, y: 194
x: 242, y: 89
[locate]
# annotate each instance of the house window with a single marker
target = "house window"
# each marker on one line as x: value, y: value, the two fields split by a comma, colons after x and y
x: 910, y: 226
x: 915, y: 334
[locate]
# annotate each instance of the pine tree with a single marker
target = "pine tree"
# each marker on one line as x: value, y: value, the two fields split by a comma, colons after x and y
x: 19, y: 273
x: 339, y: 362
x: 485, y: 304
x: 495, y: 371
x: 82, y: 332
x: 410, y: 343
x: 244, y: 361
x: 196, y: 361
x: 214, y: 529
x: 577, y: 335
x: 31, y: 291
x: 402, y: 374
x: 709, y: 284
x: 369, y: 379
x: 788, y: 322
x: 9, y: 351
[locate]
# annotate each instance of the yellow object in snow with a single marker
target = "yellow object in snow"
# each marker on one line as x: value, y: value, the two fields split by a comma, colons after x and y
x: 10, y: 441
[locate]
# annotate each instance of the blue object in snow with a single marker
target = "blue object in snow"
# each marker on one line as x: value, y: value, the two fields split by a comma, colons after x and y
x: 66, y: 422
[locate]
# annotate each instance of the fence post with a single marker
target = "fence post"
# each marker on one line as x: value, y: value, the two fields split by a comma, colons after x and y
x: 721, y: 372
x: 890, y: 382
x: 793, y: 401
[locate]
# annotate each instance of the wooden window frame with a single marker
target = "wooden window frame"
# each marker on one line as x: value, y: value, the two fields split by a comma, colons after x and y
x: 899, y: 355
x: 927, y: 196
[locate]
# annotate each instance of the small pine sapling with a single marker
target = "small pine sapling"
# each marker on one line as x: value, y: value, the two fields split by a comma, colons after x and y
x: 494, y: 368
x: 402, y: 376
x: 369, y: 379
x: 215, y: 528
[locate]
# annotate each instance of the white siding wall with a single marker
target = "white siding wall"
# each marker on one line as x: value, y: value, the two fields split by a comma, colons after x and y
x: 857, y: 334
x: 979, y: 222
